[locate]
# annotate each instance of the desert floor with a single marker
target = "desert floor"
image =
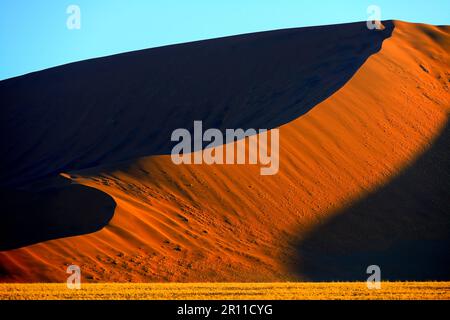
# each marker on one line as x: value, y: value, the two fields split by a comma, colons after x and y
x: 230, y: 291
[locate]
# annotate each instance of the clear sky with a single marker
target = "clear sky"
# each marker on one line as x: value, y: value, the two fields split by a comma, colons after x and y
x: 34, y: 34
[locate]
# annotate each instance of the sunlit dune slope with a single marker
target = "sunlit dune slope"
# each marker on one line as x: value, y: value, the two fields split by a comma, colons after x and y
x: 228, y: 223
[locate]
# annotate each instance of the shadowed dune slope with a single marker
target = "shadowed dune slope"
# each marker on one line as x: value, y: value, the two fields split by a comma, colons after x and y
x: 404, y: 227
x: 116, y: 108
x: 61, y: 209
x: 341, y: 161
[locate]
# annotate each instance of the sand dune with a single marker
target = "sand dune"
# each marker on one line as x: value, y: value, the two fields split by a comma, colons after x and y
x: 107, y: 110
x: 358, y: 111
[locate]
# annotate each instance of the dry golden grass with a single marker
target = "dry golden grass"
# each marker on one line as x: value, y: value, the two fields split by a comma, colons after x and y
x: 228, y: 291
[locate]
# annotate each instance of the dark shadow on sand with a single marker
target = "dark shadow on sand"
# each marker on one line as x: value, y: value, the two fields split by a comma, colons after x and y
x: 57, y: 211
x: 404, y: 227
x: 112, y: 109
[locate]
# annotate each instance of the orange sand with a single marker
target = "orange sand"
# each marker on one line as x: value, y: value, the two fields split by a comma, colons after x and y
x: 194, y: 223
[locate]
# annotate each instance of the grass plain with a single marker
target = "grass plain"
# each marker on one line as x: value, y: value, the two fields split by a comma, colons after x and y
x: 229, y: 291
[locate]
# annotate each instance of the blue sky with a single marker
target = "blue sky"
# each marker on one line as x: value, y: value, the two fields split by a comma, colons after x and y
x: 34, y: 35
